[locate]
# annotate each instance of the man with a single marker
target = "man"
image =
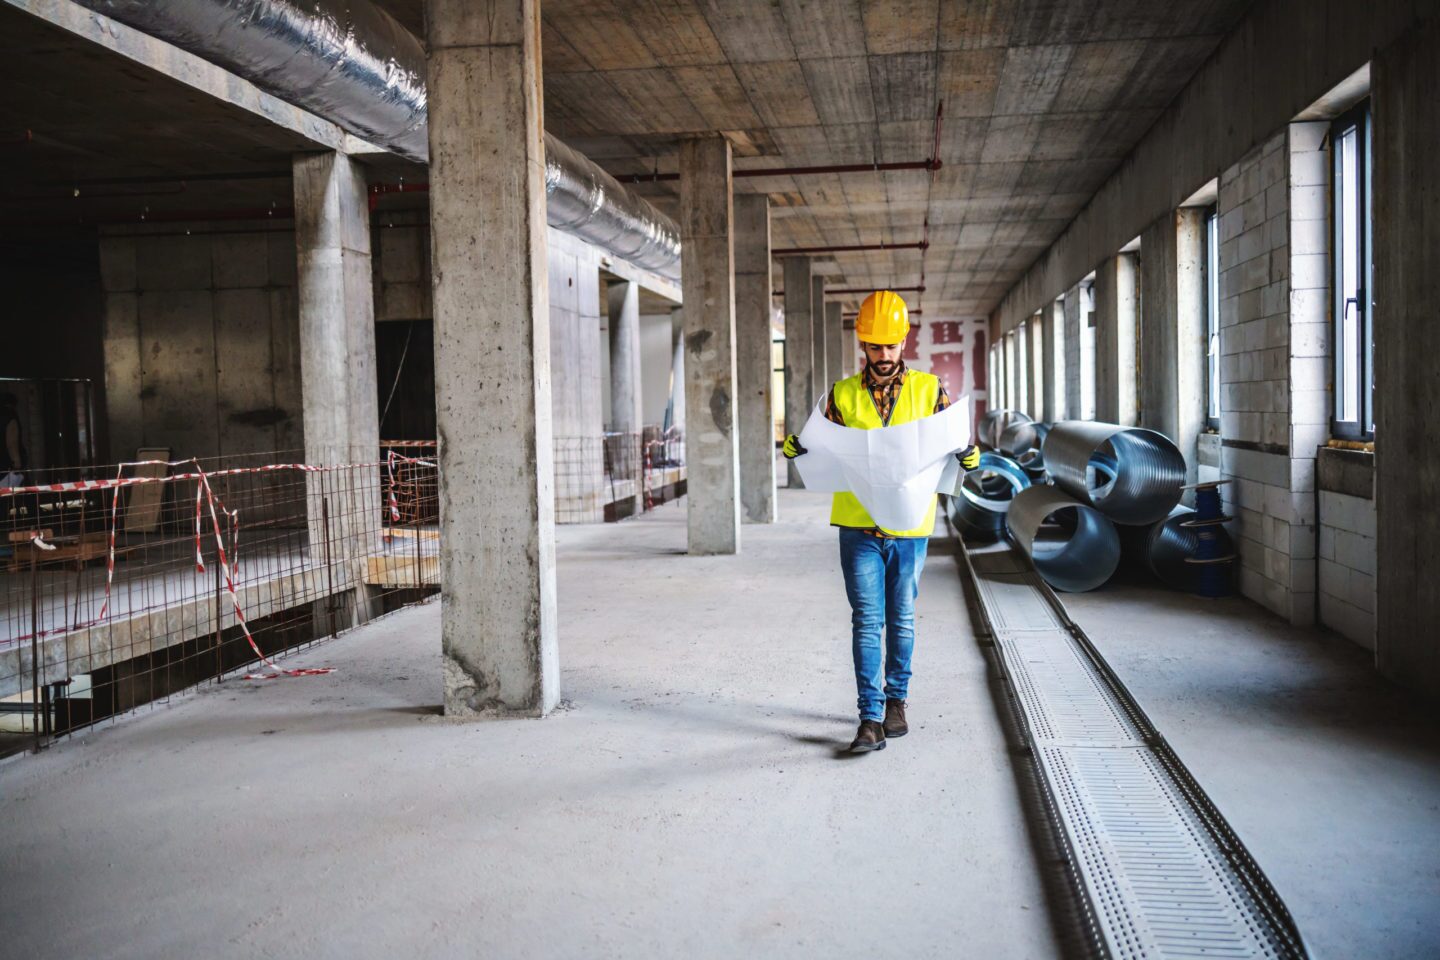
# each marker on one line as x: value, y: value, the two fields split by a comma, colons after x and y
x: 882, y: 567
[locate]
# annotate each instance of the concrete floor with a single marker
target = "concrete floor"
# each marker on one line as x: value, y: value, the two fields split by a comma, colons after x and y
x: 688, y: 801
x: 1330, y: 775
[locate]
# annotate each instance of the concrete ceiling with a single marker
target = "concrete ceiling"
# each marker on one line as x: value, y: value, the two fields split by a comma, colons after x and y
x: 1042, y: 99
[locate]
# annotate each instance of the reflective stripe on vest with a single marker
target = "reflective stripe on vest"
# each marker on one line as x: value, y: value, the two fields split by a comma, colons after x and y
x: 917, y: 398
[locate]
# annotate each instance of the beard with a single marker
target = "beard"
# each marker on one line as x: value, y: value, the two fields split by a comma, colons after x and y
x: 884, y: 368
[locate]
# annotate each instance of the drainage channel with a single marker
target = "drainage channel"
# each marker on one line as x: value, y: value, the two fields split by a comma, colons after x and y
x: 1156, y: 869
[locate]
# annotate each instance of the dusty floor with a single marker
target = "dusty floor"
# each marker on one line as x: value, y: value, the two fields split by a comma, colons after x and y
x: 1330, y: 775
x: 689, y: 801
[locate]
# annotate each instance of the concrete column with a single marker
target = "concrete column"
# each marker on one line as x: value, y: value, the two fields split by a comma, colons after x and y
x: 1035, y: 376
x: 337, y: 358
x: 492, y: 358
x: 801, y: 385
x: 1074, y: 349
x: 708, y: 278
x: 626, y: 413
x: 818, y: 340
x: 1052, y: 319
x: 1407, y: 340
x: 834, y: 343
x: 849, y: 350
x: 1172, y: 390
x: 753, y: 379
x: 1115, y: 320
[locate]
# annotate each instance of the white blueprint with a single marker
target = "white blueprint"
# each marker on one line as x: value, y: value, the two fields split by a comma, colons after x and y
x: 893, y: 471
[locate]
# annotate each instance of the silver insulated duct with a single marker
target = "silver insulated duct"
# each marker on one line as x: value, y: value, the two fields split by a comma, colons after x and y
x: 351, y: 63
x: 1130, y: 474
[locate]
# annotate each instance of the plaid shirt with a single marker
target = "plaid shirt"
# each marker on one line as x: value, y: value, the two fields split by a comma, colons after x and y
x: 884, y: 395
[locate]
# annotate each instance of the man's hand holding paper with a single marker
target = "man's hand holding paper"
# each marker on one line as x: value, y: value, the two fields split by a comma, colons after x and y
x: 893, y: 471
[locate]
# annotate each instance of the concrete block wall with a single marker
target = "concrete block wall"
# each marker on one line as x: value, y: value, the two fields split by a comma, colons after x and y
x: 201, y: 340
x: 1274, y: 362
x: 1347, y: 565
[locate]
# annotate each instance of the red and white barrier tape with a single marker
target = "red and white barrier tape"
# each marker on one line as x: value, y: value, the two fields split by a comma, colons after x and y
x: 209, y: 500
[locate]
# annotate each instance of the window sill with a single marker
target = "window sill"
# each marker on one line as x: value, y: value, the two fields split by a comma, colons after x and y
x: 1344, y: 470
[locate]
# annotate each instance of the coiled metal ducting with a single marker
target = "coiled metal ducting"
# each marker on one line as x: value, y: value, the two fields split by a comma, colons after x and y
x: 994, y: 423
x: 1022, y: 441
x: 982, y: 500
x: 1130, y: 474
x: 351, y: 63
x: 1078, y: 551
x: 1168, y: 545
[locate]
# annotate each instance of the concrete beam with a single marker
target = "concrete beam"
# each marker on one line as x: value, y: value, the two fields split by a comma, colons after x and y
x: 707, y: 239
x: 492, y: 359
x: 190, y: 70
x: 801, y: 384
x: 753, y: 375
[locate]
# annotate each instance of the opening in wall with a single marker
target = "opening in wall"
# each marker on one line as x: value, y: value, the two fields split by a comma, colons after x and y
x: 1354, y: 416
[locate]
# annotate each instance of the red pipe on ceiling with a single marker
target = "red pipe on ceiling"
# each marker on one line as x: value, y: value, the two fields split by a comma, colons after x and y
x: 931, y: 164
x: 850, y: 248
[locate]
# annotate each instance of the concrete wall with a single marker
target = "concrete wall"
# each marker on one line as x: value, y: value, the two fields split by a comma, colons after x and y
x: 201, y: 340
x: 1257, y: 115
x: 400, y: 252
x: 657, y: 349
x: 1407, y: 343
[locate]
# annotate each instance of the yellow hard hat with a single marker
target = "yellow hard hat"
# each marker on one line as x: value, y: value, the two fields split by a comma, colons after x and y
x: 884, y: 318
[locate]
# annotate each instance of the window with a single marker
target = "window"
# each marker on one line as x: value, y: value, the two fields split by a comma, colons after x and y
x: 1354, y: 416
x: 1087, y: 352
x: 1212, y: 319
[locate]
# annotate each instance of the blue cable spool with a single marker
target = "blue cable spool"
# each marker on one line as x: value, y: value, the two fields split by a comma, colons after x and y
x: 1212, y: 555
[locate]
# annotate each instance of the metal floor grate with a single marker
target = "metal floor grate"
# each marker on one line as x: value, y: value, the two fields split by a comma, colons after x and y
x: 1160, y: 871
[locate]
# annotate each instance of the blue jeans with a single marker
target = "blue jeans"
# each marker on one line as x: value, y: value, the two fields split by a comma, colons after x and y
x: 882, y: 579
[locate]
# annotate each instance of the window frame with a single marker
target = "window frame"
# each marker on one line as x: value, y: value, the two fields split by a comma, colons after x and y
x: 1361, y: 429
x: 1212, y: 318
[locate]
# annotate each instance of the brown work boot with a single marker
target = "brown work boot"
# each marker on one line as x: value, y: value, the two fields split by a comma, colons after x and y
x: 895, y: 725
x: 870, y: 736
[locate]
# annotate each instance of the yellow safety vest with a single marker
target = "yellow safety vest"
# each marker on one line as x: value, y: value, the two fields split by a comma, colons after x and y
x: 918, y: 395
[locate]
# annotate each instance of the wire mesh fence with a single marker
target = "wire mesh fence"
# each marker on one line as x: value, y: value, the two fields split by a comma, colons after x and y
x: 121, y: 585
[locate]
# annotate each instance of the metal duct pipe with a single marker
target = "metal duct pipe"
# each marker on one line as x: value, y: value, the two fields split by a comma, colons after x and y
x: 1145, y: 470
x: 994, y: 422
x: 980, y: 503
x: 351, y: 63
x: 1081, y: 550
